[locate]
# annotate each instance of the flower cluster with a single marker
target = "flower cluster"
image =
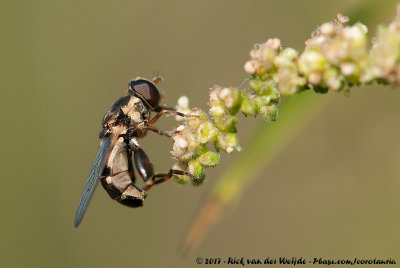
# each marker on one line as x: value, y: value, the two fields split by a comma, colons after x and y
x: 385, y: 53
x: 191, y: 138
x: 190, y: 143
x: 336, y: 57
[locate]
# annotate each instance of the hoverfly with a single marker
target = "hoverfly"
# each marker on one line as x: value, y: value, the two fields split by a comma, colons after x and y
x: 123, y: 125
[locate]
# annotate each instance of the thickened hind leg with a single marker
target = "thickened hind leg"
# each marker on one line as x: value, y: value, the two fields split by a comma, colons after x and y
x: 143, y: 164
x: 146, y: 170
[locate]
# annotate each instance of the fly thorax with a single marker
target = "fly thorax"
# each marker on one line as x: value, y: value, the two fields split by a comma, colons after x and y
x: 118, y: 130
x: 134, y: 111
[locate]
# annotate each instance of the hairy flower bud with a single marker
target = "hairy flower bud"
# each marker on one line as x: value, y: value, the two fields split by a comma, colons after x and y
x: 248, y: 106
x: 184, y: 145
x: 227, y: 142
x: 209, y: 159
x: 227, y: 124
x: 269, y: 112
x: 311, y: 61
x: 182, y: 107
x: 206, y: 132
x: 197, y: 169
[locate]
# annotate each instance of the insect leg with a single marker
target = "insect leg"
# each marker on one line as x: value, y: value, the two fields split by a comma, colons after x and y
x: 166, y: 176
x: 143, y: 164
x: 130, y: 166
x: 167, y: 111
x: 162, y: 133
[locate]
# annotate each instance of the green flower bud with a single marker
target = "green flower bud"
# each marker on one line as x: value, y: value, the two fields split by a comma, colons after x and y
x: 274, y: 95
x: 217, y: 111
x: 237, y: 101
x: 206, y: 132
x: 209, y: 159
x: 262, y: 101
x: 227, y: 142
x: 227, y: 124
x: 197, y: 169
x: 202, y: 149
x: 311, y: 61
x: 256, y: 84
x: 264, y: 87
x: 269, y: 112
x: 194, y: 122
x: 248, y: 107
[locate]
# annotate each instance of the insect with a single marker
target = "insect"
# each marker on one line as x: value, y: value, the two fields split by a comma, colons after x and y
x: 123, y: 125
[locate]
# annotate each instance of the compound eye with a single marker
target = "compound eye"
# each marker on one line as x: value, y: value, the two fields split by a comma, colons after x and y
x: 146, y: 91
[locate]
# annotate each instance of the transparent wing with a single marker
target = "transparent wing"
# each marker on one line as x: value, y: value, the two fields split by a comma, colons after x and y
x: 93, y: 179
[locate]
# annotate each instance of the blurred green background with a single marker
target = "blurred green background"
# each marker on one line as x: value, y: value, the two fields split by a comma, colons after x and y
x: 333, y: 192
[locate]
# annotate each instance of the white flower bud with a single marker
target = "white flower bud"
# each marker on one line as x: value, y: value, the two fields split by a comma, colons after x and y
x: 214, y: 94
x: 315, y: 78
x: 327, y: 28
x: 183, y: 102
x: 347, y: 68
x: 184, y: 144
x: 226, y: 96
x: 273, y: 43
x: 182, y: 107
x: 290, y: 53
x: 181, y: 142
x: 251, y: 66
x: 354, y: 33
x: 333, y: 83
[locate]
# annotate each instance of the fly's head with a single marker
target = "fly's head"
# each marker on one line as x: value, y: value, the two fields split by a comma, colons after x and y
x: 146, y: 91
